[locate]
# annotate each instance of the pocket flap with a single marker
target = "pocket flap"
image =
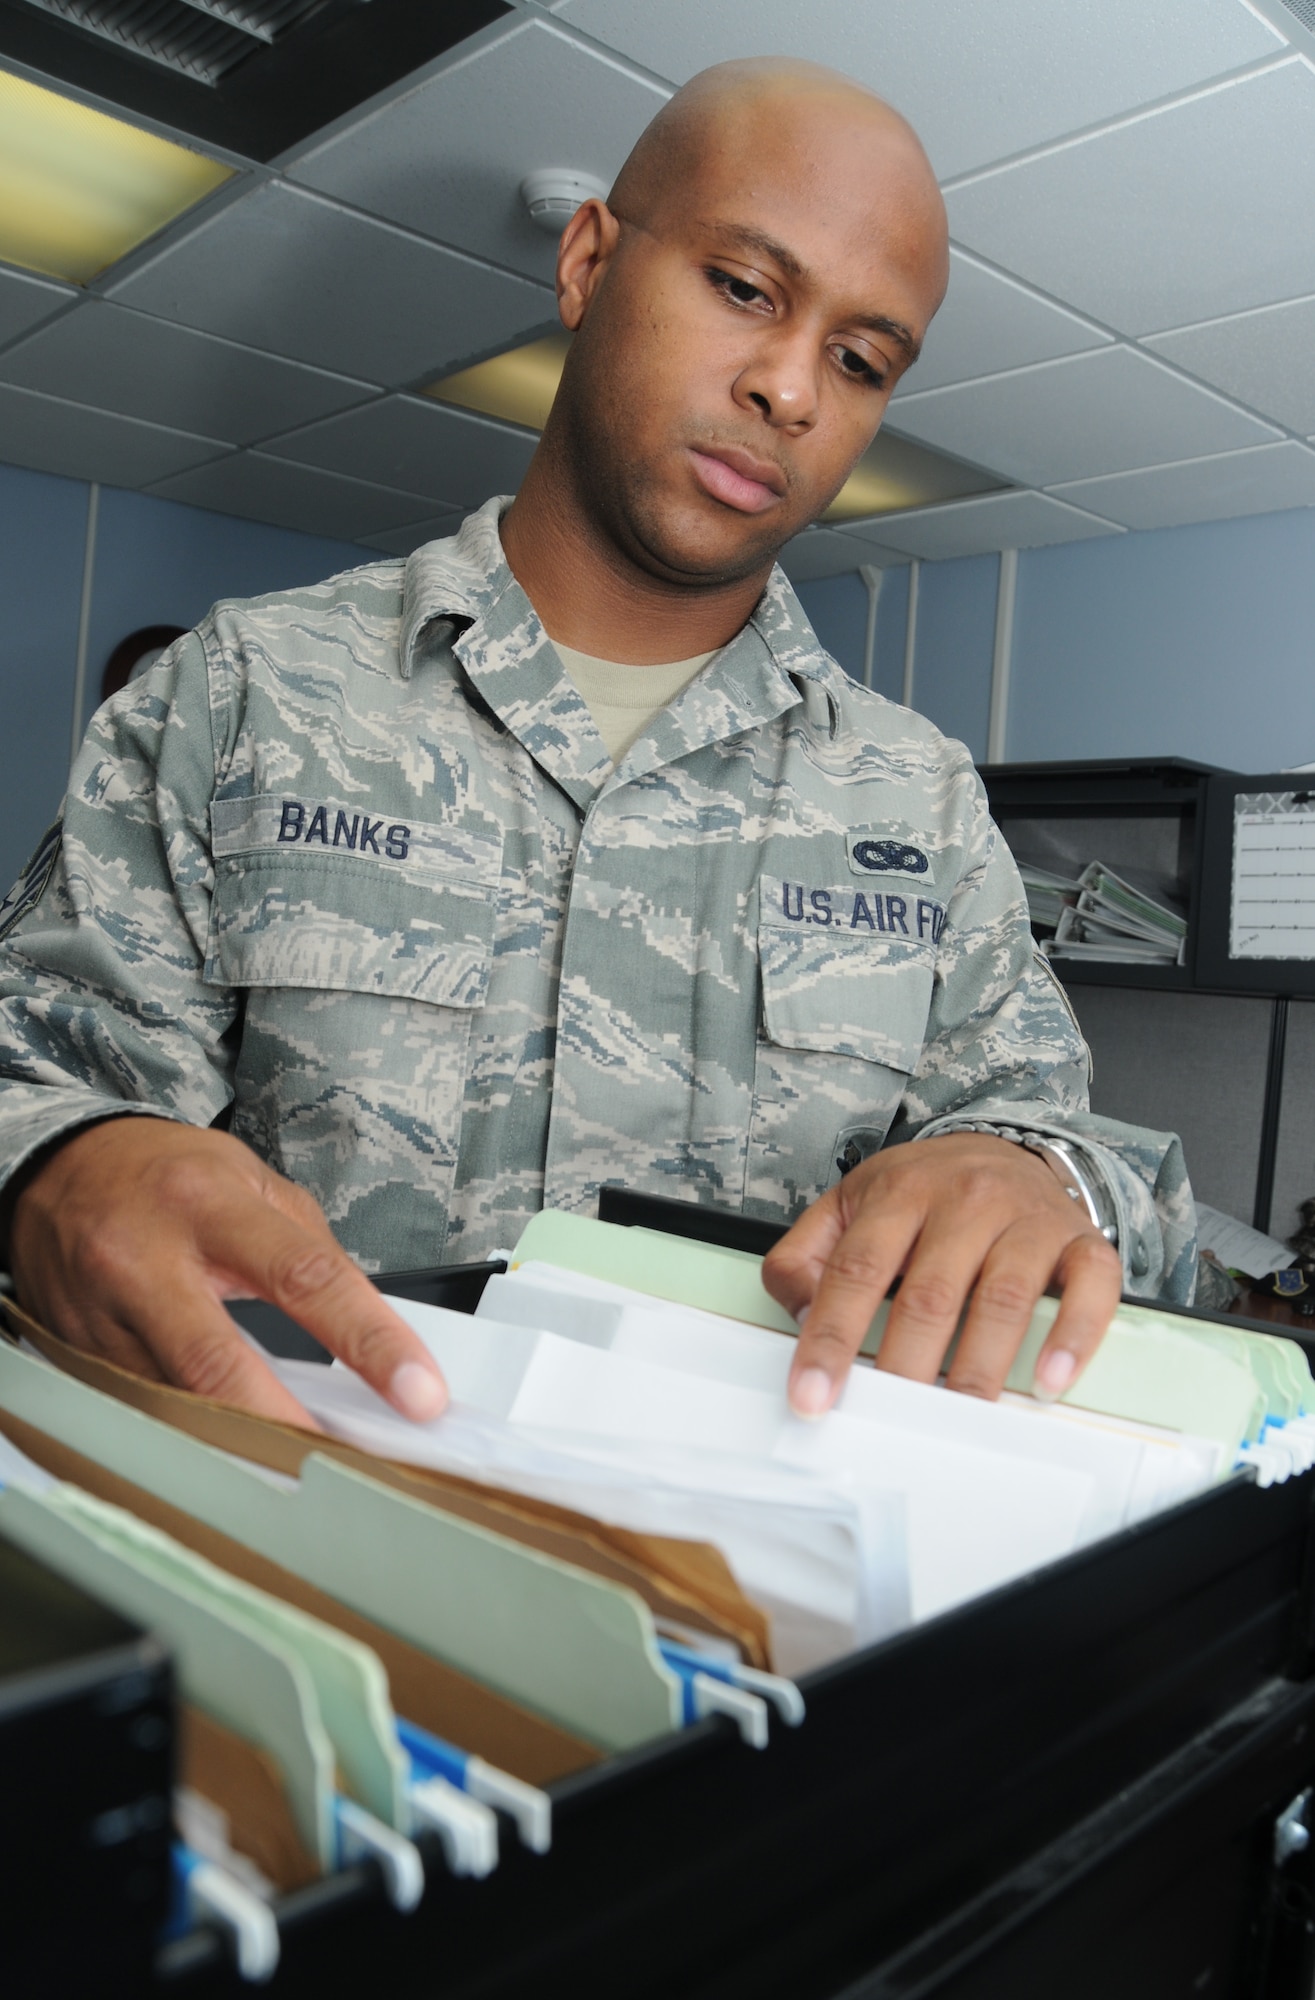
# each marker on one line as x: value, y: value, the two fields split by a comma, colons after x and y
x: 845, y: 994
x: 414, y: 924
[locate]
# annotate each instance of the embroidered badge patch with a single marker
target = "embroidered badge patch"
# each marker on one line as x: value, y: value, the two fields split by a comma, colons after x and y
x: 892, y: 849
x: 889, y: 857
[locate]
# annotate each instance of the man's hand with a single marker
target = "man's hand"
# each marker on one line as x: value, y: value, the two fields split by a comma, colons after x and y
x: 958, y: 1214
x: 128, y: 1237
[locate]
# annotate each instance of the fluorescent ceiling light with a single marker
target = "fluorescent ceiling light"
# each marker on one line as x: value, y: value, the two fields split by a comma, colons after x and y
x: 895, y: 473
x: 518, y: 387
x: 78, y: 189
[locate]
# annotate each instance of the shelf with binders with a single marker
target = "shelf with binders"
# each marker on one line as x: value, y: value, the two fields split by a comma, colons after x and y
x: 1141, y: 820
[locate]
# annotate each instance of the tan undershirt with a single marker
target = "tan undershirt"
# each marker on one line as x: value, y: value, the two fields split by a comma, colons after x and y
x: 624, y: 700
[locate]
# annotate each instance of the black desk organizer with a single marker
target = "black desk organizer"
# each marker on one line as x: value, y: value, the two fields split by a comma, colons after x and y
x: 1066, y: 1790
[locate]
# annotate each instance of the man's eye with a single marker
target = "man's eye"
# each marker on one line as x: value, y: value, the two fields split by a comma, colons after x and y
x: 739, y: 290
x: 857, y: 369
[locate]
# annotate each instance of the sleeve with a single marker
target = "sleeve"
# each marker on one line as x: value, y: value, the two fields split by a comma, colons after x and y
x: 1004, y: 1048
x: 103, y: 1006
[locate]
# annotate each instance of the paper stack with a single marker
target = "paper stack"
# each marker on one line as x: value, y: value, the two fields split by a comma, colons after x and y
x: 1114, y: 920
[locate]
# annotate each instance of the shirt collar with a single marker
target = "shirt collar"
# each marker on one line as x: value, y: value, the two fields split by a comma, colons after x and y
x: 466, y: 583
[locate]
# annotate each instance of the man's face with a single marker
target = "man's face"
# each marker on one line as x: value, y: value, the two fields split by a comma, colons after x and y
x: 740, y: 347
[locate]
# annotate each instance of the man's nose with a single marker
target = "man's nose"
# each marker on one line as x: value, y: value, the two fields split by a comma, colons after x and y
x: 781, y: 382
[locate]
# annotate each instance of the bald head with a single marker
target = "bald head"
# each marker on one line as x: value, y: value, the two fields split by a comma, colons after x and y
x: 774, y: 104
x: 743, y: 306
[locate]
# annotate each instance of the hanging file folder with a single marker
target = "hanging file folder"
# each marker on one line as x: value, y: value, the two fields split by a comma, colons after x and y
x: 562, y: 1642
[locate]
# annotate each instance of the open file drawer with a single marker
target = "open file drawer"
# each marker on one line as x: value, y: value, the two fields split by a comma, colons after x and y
x: 1070, y: 1787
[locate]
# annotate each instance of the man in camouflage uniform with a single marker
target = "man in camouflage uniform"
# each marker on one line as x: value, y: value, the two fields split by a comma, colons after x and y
x: 361, y: 874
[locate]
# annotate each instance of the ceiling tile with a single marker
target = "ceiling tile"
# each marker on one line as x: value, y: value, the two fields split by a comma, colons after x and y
x: 1198, y: 210
x: 50, y: 435
x: 979, y: 83
x: 417, y: 446
x: 1263, y: 358
x: 1104, y: 412
x: 1262, y: 481
x: 293, y: 274
x: 401, y: 541
x: 166, y: 374
x: 290, y: 496
x: 26, y: 301
x: 823, y: 552
x: 978, y: 527
x: 989, y: 323
x: 437, y: 162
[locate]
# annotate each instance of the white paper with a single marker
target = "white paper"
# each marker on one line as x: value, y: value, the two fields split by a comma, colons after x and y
x: 799, y: 1550
x: 1273, y: 902
x: 975, y: 1518
x: 1237, y: 1246
x: 1125, y: 1462
x: 905, y: 1500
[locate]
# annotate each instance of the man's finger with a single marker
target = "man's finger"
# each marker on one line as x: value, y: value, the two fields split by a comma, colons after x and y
x: 855, y: 1279
x: 792, y: 1268
x: 314, y: 1281
x: 111, y: 1342
x: 1014, y: 1274
x: 950, y: 1257
x: 1091, y: 1274
x: 200, y: 1348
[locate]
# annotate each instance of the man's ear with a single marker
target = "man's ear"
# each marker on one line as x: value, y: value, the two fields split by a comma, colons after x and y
x: 588, y: 243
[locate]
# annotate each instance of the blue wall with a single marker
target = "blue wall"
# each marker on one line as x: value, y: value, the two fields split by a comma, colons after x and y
x: 1191, y: 642
x: 156, y: 563
x: 954, y: 644
x: 1188, y: 642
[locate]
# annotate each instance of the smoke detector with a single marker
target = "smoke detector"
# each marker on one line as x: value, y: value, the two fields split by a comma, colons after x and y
x: 552, y: 196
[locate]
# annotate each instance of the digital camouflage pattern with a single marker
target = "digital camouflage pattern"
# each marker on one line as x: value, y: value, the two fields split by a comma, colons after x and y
x: 351, y: 869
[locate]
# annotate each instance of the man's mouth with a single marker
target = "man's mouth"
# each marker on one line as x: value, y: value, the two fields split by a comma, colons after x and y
x: 738, y: 479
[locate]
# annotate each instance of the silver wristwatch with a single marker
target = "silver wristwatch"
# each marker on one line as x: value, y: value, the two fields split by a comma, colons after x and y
x: 1064, y: 1162
x: 1076, y: 1182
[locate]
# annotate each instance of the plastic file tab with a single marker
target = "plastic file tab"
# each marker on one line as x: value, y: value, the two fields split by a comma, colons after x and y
x: 206, y: 1894
x: 527, y: 1805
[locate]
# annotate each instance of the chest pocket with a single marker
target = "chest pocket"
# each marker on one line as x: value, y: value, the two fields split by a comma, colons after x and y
x: 406, y: 909
x: 844, y: 1018
x: 861, y: 998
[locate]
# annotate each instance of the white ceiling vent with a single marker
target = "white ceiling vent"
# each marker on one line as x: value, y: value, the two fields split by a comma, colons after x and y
x: 1303, y: 10
x: 201, y: 39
